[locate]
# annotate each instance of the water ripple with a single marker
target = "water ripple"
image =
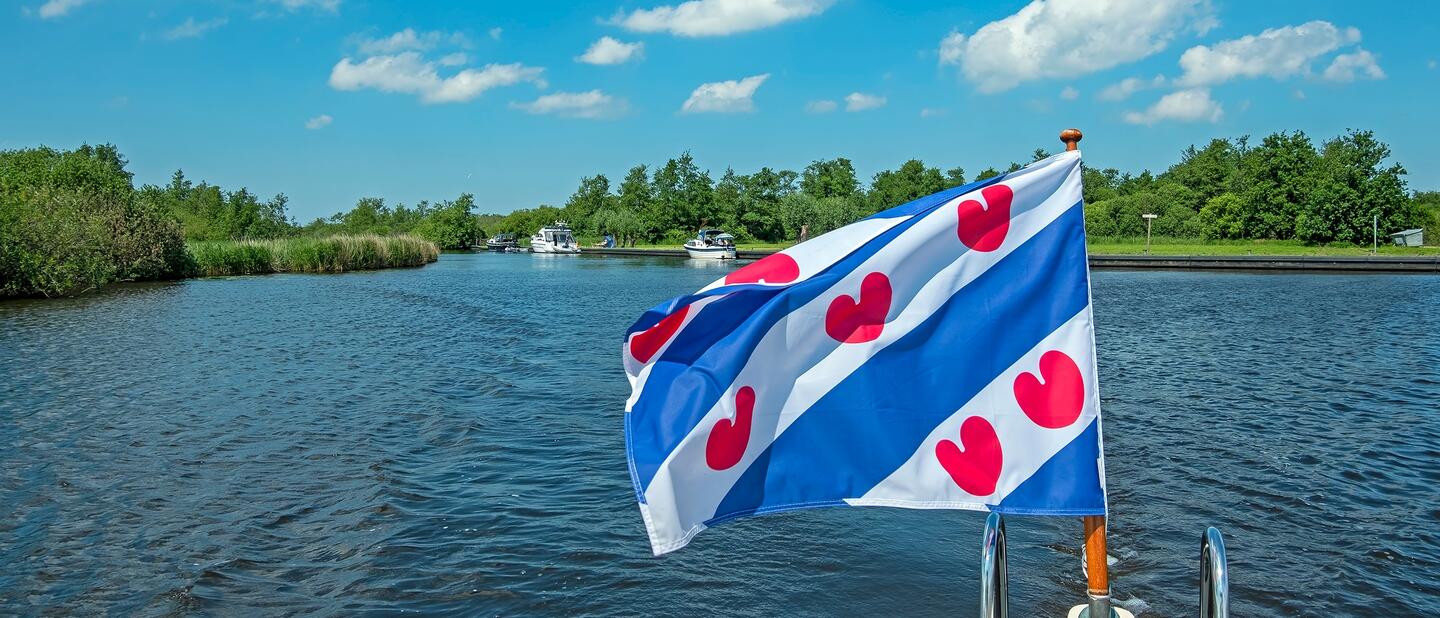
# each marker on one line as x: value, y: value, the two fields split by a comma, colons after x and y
x: 448, y: 439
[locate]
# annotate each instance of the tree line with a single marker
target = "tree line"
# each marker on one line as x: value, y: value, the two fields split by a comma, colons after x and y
x: 667, y: 204
x: 72, y: 217
x: 1284, y: 188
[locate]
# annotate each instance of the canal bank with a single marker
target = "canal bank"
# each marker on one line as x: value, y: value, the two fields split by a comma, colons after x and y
x: 1243, y: 263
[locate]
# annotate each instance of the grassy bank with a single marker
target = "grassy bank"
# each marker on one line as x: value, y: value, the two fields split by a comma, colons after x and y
x: 1109, y: 245
x: 331, y: 254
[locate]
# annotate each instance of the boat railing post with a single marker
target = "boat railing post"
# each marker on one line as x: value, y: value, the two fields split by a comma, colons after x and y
x: 994, y: 587
x: 1214, y: 576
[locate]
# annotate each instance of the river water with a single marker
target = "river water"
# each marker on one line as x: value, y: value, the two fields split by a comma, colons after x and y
x: 448, y: 440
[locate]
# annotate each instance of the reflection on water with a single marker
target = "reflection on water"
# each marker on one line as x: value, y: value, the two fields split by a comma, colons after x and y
x: 448, y: 439
x: 713, y: 265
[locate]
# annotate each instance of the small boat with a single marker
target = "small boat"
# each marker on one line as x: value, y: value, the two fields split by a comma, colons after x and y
x: 502, y: 243
x: 711, y: 245
x: 555, y: 238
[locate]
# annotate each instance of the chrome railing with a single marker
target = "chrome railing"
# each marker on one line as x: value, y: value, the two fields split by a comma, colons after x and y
x: 1214, y: 576
x: 994, y: 588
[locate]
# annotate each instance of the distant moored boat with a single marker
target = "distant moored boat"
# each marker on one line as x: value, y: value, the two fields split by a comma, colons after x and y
x: 711, y: 244
x: 501, y: 242
x: 555, y: 238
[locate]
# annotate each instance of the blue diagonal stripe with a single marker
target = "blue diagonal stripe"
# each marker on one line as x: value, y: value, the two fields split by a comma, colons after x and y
x: 872, y: 422
x: 700, y: 365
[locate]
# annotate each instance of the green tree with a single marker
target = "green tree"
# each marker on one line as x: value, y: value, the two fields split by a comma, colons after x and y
x: 830, y: 178
x: 1210, y: 171
x: 1099, y: 185
x: 637, y: 197
x: 1225, y: 216
x: 1350, y: 188
x: 1426, y: 206
x: 954, y: 177
x: 589, y: 197
x: 988, y: 172
x: 728, y: 199
x: 451, y: 225
x: 1273, y: 183
x: 367, y: 216
x: 759, y: 210
x: 620, y: 221
x: 911, y: 180
x: 801, y: 210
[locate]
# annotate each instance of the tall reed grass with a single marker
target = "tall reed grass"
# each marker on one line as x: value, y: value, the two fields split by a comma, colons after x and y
x: 331, y: 254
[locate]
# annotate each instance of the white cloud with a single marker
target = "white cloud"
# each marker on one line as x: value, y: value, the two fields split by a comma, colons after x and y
x: 408, y: 39
x: 1345, y: 66
x: 1299, y: 94
x: 453, y: 60
x: 951, y: 48
x: 608, y: 50
x: 724, y: 97
x: 822, y: 106
x: 58, y: 8
x: 191, y: 29
x: 592, y: 104
x: 1431, y: 64
x: 718, y: 17
x: 859, y: 102
x: 496, y: 32
x: 410, y: 73
x: 932, y: 112
x: 1069, y: 93
x: 319, y: 122
x: 329, y: 6
x: 1121, y: 90
x: 1193, y: 105
x: 1278, y: 53
x: 1066, y: 38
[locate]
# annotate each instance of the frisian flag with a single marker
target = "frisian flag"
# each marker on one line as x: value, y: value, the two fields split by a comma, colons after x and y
x: 937, y: 355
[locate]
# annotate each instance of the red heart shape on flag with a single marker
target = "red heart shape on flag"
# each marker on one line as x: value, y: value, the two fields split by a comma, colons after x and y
x: 777, y: 268
x: 1057, y: 402
x: 984, y: 228
x: 977, y: 468
x: 647, y: 342
x: 852, y: 321
x: 728, y: 439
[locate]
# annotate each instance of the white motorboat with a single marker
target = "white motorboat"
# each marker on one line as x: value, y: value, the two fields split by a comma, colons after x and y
x: 555, y: 238
x: 711, y: 245
x: 502, y: 243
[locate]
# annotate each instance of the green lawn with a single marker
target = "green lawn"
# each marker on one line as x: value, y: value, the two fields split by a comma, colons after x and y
x: 1191, y: 246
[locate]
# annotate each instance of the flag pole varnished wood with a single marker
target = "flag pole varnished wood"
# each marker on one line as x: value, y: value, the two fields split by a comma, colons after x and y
x: 1072, y: 138
x: 1096, y: 555
x: 1096, y: 567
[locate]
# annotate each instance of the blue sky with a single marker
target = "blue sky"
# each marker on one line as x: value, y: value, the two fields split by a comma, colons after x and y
x: 331, y: 100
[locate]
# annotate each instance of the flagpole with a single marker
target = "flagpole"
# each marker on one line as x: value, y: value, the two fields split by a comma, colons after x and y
x: 1096, y: 569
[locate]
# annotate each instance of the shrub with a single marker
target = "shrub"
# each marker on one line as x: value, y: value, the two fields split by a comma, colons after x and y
x: 71, y: 222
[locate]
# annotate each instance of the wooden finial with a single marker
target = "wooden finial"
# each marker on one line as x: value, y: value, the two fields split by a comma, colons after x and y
x: 1071, y: 137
